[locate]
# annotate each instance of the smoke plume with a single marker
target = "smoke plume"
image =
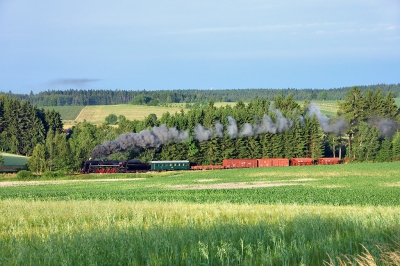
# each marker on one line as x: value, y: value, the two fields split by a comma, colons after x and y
x: 144, y: 139
x: 386, y: 126
x: 328, y: 126
x: 267, y: 125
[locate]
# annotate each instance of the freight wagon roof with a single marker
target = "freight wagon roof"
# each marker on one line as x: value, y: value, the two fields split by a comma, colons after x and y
x: 302, y: 159
x: 181, y: 161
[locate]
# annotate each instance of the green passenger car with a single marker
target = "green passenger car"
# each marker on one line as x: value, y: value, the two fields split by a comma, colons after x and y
x: 169, y: 165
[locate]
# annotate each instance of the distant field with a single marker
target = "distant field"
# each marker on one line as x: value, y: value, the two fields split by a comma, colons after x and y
x: 12, y: 159
x: 327, y: 107
x: 12, y: 163
x: 66, y: 112
x: 397, y: 101
x: 97, y: 114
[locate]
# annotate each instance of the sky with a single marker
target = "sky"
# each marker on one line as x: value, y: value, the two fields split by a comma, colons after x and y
x: 208, y: 44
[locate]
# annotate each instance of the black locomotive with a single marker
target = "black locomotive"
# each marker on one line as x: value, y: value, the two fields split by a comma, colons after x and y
x: 114, y: 166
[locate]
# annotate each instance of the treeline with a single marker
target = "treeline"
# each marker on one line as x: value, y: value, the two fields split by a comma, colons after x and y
x: 108, y: 97
x: 22, y: 125
x: 366, y: 130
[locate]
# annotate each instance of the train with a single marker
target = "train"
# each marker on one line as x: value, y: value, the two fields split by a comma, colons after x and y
x: 136, y: 166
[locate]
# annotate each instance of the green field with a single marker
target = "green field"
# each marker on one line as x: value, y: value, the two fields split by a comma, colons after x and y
x: 397, y: 101
x: 261, y: 216
x: 13, y: 159
x: 12, y: 162
x: 66, y: 112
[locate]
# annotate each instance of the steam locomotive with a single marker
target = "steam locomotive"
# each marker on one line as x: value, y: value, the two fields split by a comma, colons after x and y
x: 135, y: 166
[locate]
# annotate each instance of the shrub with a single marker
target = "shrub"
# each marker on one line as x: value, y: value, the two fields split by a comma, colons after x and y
x: 112, y: 119
x: 25, y: 174
x: 55, y: 174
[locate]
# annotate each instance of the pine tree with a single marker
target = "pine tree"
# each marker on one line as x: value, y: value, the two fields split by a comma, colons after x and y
x: 391, y: 110
x: 385, y: 152
x: 277, y: 145
x: 373, y: 144
x: 315, y: 147
x: 228, y: 150
x: 253, y: 144
x: 396, y: 146
x: 353, y: 107
x: 266, y: 140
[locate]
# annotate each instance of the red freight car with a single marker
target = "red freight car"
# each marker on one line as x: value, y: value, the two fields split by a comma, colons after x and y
x: 239, y: 163
x: 328, y: 160
x: 265, y: 162
x: 302, y: 161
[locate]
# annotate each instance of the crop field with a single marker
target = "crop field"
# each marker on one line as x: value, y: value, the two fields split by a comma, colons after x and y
x: 328, y: 107
x: 66, y: 112
x: 96, y: 114
x: 261, y: 216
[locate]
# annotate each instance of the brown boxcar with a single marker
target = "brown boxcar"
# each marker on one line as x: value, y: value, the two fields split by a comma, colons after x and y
x: 328, y: 160
x: 239, y: 163
x: 302, y: 161
x: 266, y: 162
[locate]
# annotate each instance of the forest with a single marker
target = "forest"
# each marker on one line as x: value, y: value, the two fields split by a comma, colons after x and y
x: 365, y: 129
x: 161, y: 97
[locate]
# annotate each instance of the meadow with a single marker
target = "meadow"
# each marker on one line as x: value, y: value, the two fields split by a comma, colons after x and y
x: 13, y: 159
x: 66, y: 112
x: 262, y: 216
x: 12, y: 162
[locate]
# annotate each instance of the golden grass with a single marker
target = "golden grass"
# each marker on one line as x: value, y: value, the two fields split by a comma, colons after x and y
x: 96, y: 114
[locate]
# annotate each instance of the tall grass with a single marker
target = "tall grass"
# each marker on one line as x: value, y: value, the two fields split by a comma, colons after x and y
x: 155, y: 233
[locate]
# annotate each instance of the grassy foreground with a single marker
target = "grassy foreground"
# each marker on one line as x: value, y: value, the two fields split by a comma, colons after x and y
x: 270, y: 216
x: 151, y: 233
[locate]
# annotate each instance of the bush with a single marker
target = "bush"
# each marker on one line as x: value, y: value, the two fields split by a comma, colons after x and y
x: 55, y: 174
x: 25, y: 174
x: 112, y: 119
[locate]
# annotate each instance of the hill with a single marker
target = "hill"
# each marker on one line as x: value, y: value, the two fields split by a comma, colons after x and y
x: 12, y: 162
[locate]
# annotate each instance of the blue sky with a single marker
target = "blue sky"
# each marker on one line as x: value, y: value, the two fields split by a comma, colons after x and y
x: 176, y: 44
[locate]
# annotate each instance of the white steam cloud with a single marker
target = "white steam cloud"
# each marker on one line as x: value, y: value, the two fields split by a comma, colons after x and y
x: 328, y: 126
